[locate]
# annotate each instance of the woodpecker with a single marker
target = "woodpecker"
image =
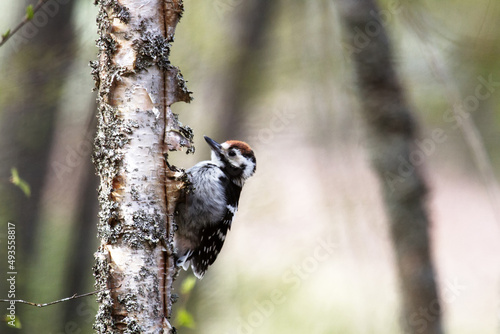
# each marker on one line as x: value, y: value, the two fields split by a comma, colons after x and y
x: 205, y: 216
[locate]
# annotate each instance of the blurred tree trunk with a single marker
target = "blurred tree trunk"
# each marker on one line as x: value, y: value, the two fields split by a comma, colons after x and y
x: 39, y: 58
x: 83, y: 241
x: 396, y: 161
x: 137, y: 85
x: 242, y: 77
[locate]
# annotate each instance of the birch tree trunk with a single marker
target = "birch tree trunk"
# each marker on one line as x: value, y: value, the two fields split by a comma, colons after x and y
x: 392, y: 132
x: 137, y: 85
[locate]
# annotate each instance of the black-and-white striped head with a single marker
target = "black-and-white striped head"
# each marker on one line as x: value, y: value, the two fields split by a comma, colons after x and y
x: 235, y: 157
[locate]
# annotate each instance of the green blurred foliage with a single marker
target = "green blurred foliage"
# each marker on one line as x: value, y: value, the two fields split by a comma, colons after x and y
x: 30, y: 12
x: 17, y: 181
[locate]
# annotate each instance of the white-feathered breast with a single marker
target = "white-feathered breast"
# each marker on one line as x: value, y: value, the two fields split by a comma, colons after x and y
x: 206, y: 201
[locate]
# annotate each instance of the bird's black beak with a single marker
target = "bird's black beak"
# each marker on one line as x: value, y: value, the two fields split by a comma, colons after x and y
x: 215, y: 146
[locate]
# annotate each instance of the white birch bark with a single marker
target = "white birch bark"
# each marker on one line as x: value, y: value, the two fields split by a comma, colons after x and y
x: 136, y: 85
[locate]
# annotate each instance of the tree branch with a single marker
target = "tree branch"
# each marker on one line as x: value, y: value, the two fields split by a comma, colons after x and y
x: 75, y: 296
x: 27, y: 18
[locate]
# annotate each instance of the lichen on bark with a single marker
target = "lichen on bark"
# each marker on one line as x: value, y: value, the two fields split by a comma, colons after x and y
x: 137, y: 193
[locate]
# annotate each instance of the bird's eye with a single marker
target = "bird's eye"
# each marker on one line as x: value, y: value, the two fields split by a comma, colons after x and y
x: 232, y: 153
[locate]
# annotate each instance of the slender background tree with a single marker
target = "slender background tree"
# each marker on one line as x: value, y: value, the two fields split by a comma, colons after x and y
x: 392, y: 133
x: 37, y: 63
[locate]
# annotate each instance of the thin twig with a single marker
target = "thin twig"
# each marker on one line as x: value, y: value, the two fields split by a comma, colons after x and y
x: 471, y: 133
x: 75, y: 296
x: 21, y: 24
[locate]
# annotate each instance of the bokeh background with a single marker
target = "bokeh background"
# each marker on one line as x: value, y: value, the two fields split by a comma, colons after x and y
x: 309, y: 250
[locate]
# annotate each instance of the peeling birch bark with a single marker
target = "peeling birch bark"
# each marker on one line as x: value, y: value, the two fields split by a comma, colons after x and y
x: 137, y: 85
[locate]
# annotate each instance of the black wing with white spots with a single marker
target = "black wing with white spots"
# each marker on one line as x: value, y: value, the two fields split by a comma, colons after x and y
x: 212, y: 239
